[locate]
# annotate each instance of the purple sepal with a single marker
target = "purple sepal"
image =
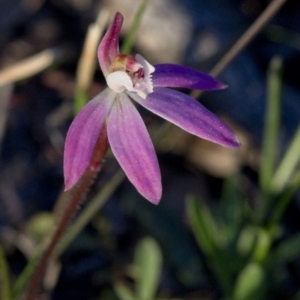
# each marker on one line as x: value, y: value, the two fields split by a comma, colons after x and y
x: 188, y: 114
x: 109, y: 46
x: 170, y: 75
x: 82, y: 136
x: 132, y: 147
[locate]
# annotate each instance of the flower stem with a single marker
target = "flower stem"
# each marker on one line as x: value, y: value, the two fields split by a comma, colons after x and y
x: 81, y: 190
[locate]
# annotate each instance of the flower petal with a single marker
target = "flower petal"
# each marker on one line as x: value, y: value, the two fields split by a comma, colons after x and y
x: 82, y: 136
x: 144, y: 87
x: 148, y: 68
x: 188, y: 114
x: 132, y: 146
x: 119, y: 81
x: 170, y: 75
x: 109, y: 46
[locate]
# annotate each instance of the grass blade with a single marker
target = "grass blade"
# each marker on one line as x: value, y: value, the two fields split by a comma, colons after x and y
x: 283, y: 201
x: 129, y: 40
x: 288, y: 164
x: 148, y: 260
x: 250, y: 283
x: 5, y: 285
x: 24, y: 277
x: 205, y: 228
x: 285, y: 252
x: 272, y: 123
x: 123, y: 292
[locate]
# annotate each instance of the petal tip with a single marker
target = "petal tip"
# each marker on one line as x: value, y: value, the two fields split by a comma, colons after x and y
x: 238, y: 143
x: 155, y: 199
x: 155, y: 193
x: 150, y: 191
x: 235, y: 143
x: 118, y: 17
x: 222, y: 86
x: 70, y: 181
x: 67, y: 186
x: 109, y: 45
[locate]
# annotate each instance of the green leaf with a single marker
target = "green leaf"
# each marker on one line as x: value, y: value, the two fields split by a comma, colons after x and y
x: 246, y: 240
x: 148, y: 261
x: 39, y: 226
x: 286, y: 251
x: 5, y: 284
x: 272, y: 123
x: 123, y: 291
x: 160, y: 222
x: 205, y: 228
x: 204, y: 225
x: 129, y: 40
x: 287, y: 165
x: 262, y: 247
x: 232, y: 207
x: 283, y: 201
x: 250, y: 283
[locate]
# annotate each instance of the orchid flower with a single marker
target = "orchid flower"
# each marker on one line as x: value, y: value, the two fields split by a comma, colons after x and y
x: 132, y: 79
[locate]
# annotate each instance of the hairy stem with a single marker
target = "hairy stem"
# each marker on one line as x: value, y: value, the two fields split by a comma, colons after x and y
x: 82, y: 188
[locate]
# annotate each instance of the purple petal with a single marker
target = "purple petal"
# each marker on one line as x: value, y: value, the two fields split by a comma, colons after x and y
x: 132, y: 146
x: 169, y: 75
x: 188, y: 114
x: 82, y: 136
x: 109, y: 46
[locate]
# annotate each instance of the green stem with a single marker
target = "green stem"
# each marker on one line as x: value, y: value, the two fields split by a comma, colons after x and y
x: 22, y: 280
x: 129, y: 41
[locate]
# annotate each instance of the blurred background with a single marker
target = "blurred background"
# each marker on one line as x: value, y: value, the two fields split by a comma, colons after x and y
x: 36, y: 111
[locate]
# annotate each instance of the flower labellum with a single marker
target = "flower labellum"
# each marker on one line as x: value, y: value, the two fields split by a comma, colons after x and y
x: 134, y: 79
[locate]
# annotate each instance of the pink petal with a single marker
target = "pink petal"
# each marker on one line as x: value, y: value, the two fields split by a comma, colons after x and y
x: 169, y: 75
x: 82, y: 136
x: 109, y: 46
x: 188, y: 114
x: 132, y: 146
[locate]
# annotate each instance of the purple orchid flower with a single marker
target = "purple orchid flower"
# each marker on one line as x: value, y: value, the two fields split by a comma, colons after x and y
x: 133, y: 78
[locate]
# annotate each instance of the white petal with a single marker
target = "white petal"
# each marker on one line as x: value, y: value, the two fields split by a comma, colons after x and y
x: 148, y: 68
x: 119, y: 81
x: 144, y: 87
